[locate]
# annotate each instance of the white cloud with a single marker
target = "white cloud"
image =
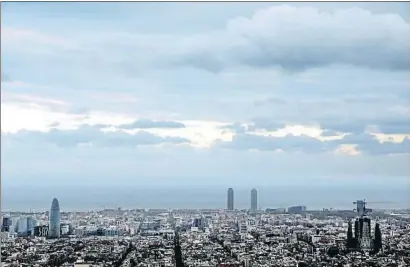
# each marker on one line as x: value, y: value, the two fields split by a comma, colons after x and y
x: 295, y: 79
x: 29, y: 116
x: 350, y: 150
x: 17, y: 36
x: 12, y: 97
x: 35, y: 114
x: 296, y: 38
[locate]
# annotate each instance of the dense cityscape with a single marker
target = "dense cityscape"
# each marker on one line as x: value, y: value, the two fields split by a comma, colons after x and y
x: 205, y: 133
x: 292, y: 236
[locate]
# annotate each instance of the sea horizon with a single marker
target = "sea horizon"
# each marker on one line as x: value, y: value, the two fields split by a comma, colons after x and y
x: 98, y: 197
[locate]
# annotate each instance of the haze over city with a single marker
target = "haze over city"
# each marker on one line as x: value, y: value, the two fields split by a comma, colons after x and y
x: 117, y: 104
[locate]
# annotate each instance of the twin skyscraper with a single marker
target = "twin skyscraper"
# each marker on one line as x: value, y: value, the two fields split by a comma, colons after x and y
x: 254, y: 200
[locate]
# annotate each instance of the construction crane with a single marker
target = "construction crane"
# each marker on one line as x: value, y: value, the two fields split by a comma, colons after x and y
x: 361, y: 206
x: 374, y: 202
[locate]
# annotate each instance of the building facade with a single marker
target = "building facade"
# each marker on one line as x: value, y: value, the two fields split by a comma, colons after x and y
x: 297, y: 209
x: 6, y: 224
x: 41, y: 231
x: 54, y: 223
x: 230, y: 199
x: 254, y: 200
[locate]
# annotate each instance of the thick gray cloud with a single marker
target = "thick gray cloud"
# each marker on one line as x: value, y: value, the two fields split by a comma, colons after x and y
x: 343, y: 126
x: 388, y: 148
x: 181, y: 165
x: 149, y: 124
x: 287, y: 64
x: 296, y: 39
x: 86, y: 134
x: 288, y: 143
x: 365, y: 143
x: 369, y: 144
x: 91, y: 134
x: 395, y: 125
x: 327, y: 133
x: 54, y: 125
x: 288, y: 37
x: 345, y: 113
x: 255, y: 124
x: 236, y: 127
x: 266, y: 124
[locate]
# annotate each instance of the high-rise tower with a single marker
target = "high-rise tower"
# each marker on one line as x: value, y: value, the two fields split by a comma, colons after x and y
x: 230, y: 199
x: 54, y: 224
x: 254, y: 200
x: 6, y: 224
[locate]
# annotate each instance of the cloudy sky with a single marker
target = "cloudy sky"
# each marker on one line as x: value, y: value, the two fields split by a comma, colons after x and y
x: 205, y: 93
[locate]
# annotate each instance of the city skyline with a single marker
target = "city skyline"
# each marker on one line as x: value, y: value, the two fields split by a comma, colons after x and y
x: 319, y: 95
x: 361, y: 210
x: 175, y: 238
x: 186, y: 134
x: 206, y: 198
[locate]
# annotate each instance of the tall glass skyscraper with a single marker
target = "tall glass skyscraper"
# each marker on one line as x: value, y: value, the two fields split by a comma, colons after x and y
x: 6, y: 224
x: 230, y: 199
x: 54, y: 224
x: 254, y: 200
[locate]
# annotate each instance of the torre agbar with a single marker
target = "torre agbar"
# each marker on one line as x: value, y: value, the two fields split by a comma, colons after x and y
x: 54, y: 224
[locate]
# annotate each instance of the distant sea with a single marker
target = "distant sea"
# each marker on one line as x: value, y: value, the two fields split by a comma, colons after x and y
x: 83, y: 198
